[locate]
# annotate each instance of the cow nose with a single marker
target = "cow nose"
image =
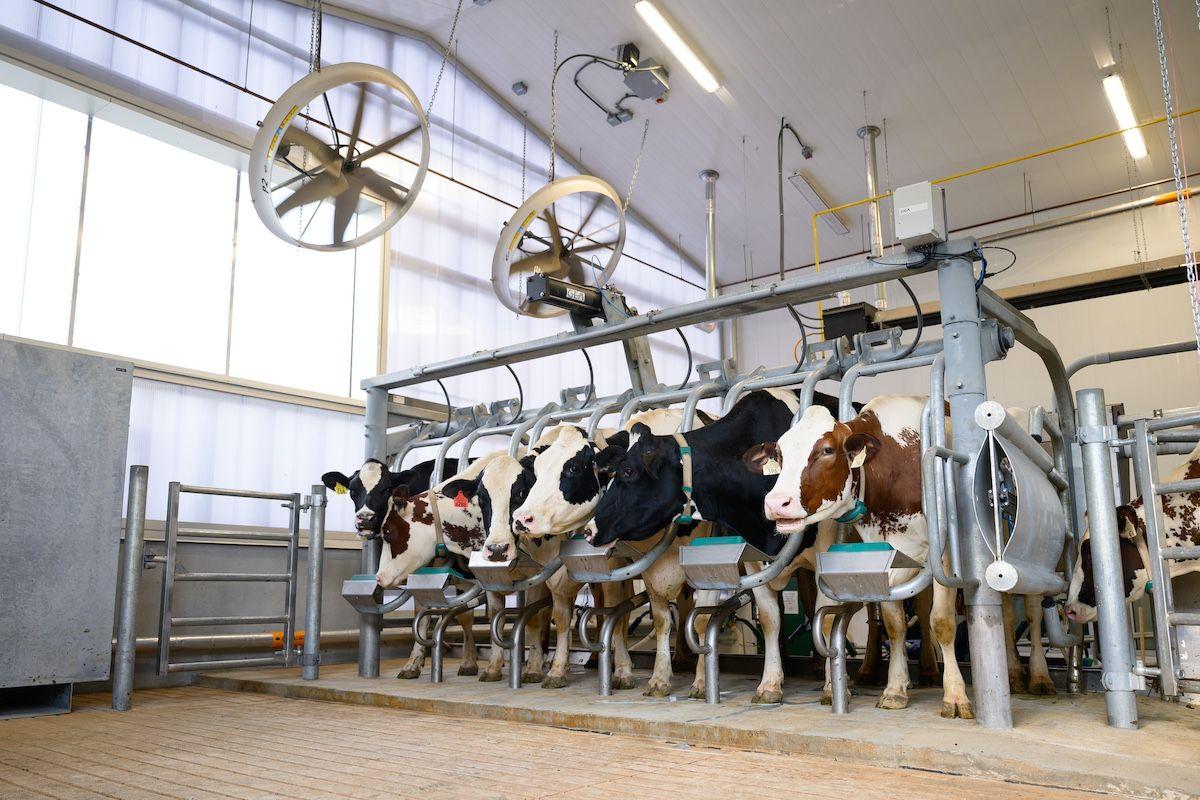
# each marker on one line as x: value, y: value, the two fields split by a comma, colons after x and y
x: 497, y: 552
x: 524, y: 522
x: 366, y: 513
x: 780, y: 506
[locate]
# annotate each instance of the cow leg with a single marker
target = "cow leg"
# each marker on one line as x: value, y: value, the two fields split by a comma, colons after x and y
x: 562, y: 610
x: 929, y: 674
x: 470, y: 659
x: 870, y: 672
x: 895, y: 694
x: 770, y: 688
x: 705, y: 597
x: 955, y: 702
x: 1039, y: 673
x: 534, y: 668
x: 682, y: 657
x: 1016, y: 681
x: 622, y: 677
x: 495, y: 665
x: 664, y: 583
x: 416, y: 659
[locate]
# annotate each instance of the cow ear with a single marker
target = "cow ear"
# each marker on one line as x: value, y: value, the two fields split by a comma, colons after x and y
x: 400, y: 495
x: 861, y: 448
x: 527, y: 461
x: 763, y: 459
x: 620, y: 440
x: 467, y: 487
x: 336, y: 481
x: 640, y: 429
x: 1127, y: 522
x: 608, y: 459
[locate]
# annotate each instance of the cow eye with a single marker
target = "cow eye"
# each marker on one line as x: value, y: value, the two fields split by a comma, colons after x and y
x: 572, y: 469
x: 627, y: 473
x: 828, y: 450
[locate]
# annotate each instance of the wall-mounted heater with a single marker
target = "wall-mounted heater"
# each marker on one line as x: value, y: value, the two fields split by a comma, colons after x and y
x: 817, y: 203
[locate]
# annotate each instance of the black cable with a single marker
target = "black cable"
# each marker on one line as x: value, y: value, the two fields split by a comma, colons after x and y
x: 783, y: 125
x: 1010, y: 265
x: 520, y: 394
x: 584, y: 91
x: 920, y: 322
x: 591, y: 377
x: 687, y: 375
x: 449, y: 410
x: 803, y: 338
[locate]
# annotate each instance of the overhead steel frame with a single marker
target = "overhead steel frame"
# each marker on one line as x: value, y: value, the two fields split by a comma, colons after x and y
x: 966, y: 308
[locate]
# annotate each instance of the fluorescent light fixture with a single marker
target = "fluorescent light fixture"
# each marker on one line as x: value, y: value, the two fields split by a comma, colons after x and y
x: 1118, y: 98
x: 670, y: 38
x: 817, y: 203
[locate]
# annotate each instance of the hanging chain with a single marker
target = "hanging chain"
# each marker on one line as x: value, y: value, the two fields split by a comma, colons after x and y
x: 1140, y: 247
x: 524, y: 142
x: 1112, y: 52
x: 445, y: 57
x: 637, y: 165
x: 1189, y: 258
x: 553, y: 105
x: 314, y: 38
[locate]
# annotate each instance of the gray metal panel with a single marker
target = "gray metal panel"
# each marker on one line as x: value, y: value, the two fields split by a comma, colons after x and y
x: 64, y: 427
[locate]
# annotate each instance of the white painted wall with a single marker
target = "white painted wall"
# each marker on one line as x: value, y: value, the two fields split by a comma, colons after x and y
x: 1135, y: 319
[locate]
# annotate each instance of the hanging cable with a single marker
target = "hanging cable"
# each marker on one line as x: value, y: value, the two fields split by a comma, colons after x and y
x: 784, y: 125
x: 520, y: 394
x: 591, y: 377
x: 802, y: 357
x: 686, y: 346
x: 449, y: 410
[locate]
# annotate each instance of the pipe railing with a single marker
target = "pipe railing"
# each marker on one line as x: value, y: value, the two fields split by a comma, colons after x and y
x: 712, y: 632
x: 612, y: 617
x: 922, y: 357
x: 832, y: 368
x: 835, y: 650
x: 1129, y: 355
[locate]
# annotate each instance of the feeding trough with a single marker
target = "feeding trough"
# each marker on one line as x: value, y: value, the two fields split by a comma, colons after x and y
x: 368, y: 597
x: 435, y: 587
x: 716, y: 562
x: 581, y: 557
x: 858, y: 571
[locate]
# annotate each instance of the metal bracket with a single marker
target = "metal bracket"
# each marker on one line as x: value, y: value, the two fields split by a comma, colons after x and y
x: 866, y: 344
x: 1123, y: 682
x: 575, y: 397
x: 723, y: 371
x: 502, y: 409
x: 310, y: 501
x: 1091, y: 434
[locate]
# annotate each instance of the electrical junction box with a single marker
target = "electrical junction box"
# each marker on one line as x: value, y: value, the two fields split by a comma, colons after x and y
x: 920, y: 214
x: 648, y: 81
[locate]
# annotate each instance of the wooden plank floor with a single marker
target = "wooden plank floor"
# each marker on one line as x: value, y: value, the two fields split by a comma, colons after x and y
x: 204, y: 743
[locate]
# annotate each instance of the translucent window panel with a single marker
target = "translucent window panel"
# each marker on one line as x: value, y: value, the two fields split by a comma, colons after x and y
x: 39, y: 214
x: 156, y: 253
x: 295, y: 319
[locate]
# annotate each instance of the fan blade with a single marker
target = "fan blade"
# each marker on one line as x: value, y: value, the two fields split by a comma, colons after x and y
x: 344, y: 208
x: 586, y: 218
x: 595, y: 246
x: 323, y: 152
x: 358, y: 118
x: 545, y: 263
x: 388, y: 189
x: 319, y: 188
x: 388, y: 145
x: 555, y: 233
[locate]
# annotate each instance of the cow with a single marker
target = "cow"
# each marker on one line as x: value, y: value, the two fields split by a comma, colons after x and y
x: 646, y: 493
x: 1181, y: 527
x: 370, y: 489
x: 410, y: 541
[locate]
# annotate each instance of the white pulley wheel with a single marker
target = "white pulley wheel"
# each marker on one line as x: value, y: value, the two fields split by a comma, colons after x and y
x: 572, y: 228
x: 311, y: 184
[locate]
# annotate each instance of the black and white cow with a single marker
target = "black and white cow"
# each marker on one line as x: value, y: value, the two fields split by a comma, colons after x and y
x: 1181, y: 518
x: 370, y: 489
x: 646, y: 494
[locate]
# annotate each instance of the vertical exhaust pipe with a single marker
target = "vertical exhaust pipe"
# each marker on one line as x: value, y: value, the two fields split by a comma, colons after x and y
x: 869, y: 133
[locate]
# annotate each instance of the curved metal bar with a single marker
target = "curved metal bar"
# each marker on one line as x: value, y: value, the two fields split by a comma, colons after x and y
x: 565, y: 415
x: 839, y: 690
x: 934, y: 505
x: 514, y: 444
x: 1129, y: 355
x: 633, y: 570
x: 831, y: 368
x: 585, y: 616
x: 910, y: 588
x: 693, y: 399
x: 1052, y: 623
x: 689, y: 629
x: 785, y: 556
x: 421, y: 436
x: 393, y: 604
x: 439, y: 636
x: 602, y: 410
x: 712, y: 661
x: 439, y: 461
x: 417, y: 620
x: 498, y: 627
x: 536, y: 580
x: 818, y: 630
x: 740, y: 387
x: 846, y: 393
x: 651, y: 399
x: 614, y: 616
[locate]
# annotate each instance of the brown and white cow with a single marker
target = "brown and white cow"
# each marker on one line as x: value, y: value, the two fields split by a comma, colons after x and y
x: 1181, y: 518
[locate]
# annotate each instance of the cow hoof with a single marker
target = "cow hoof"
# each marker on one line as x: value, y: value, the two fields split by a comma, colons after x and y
x: 528, y: 676
x: 1016, y: 683
x: 827, y: 698
x: 468, y: 669
x: 409, y: 673
x: 697, y: 693
x: 889, y: 700
x: 767, y: 697
x: 491, y: 677
x: 623, y: 682
x: 960, y: 710
x: 1041, y: 685
x: 657, y: 689
x: 554, y: 682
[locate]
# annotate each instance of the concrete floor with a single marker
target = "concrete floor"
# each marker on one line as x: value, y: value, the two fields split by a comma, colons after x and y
x: 1060, y: 742
x: 202, y: 743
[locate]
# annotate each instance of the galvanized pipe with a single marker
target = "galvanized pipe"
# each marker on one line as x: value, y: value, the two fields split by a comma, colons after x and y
x: 602, y: 410
x: 1129, y: 355
x: 370, y: 625
x: 868, y: 134
x: 712, y: 661
x: 836, y: 651
x: 1086, y: 216
x: 131, y: 573
x: 698, y: 393
x: 310, y: 658
x: 636, y: 568
x: 1113, y: 623
x: 846, y: 390
x: 615, y: 615
x: 293, y: 561
x: 808, y: 390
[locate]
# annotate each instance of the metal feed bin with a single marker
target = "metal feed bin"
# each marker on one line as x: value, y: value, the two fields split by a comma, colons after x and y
x: 362, y: 592
x: 581, y: 557
x: 499, y: 576
x: 1017, y: 506
x: 435, y: 587
x: 855, y: 570
x: 716, y: 562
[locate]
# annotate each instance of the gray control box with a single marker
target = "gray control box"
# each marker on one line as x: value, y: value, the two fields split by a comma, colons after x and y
x: 920, y: 215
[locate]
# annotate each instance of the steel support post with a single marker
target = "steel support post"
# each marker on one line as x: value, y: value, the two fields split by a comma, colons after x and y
x: 131, y: 573
x: 1112, y: 622
x: 310, y: 658
x: 371, y: 625
x: 966, y: 389
x: 516, y: 651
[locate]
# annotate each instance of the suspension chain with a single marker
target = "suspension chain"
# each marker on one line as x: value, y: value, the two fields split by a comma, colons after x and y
x: 1140, y: 247
x: 637, y: 165
x: 445, y: 57
x: 553, y: 105
x: 524, y: 143
x: 314, y: 38
x: 1189, y: 258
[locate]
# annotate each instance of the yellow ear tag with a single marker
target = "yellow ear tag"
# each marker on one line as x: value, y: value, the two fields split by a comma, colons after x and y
x: 771, y: 467
x: 341, y: 489
x: 859, y: 459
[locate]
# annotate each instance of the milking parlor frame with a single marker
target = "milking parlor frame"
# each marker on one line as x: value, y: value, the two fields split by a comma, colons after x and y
x: 966, y: 308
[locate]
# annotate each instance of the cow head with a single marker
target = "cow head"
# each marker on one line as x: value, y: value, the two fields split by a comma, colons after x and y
x: 646, y: 489
x: 407, y: 530
x: 1081, y: 596
x: 370, y: 489
x: 503, y: 485
x: 566, y: 490
x: 814, y: 462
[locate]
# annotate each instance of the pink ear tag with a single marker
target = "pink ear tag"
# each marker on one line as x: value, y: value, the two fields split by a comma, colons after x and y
x: 460, y: 500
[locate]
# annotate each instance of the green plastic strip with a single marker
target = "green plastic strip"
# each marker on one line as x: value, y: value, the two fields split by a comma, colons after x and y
x: 437, y: 571
x: 718, y: 540
x: 859, y: 547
